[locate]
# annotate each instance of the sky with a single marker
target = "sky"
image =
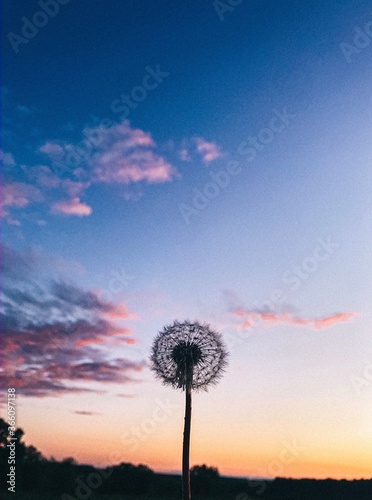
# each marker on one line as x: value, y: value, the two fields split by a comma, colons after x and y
x: 210, y: 162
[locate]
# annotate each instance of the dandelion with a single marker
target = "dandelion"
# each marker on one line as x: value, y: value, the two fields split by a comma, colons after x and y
x: 188, y: 356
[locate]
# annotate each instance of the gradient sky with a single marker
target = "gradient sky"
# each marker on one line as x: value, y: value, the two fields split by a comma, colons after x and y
x: 114, y: 225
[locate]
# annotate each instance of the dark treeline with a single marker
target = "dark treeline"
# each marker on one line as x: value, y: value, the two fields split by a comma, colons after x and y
x: 38, y: 477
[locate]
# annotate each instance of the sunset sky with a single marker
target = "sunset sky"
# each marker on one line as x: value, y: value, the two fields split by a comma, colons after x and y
x: 207, y: 161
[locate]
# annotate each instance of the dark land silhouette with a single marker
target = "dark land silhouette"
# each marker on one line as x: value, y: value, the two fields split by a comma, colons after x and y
x: 38, y: 478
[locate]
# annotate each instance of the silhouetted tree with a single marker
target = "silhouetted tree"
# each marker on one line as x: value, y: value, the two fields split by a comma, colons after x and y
x: 188, y: 356
x: 204, y: 479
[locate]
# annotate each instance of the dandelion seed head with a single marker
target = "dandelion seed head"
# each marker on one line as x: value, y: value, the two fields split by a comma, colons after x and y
x: 188, y: 354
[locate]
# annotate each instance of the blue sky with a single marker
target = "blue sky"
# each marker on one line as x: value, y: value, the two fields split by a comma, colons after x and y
x: 166, y: 161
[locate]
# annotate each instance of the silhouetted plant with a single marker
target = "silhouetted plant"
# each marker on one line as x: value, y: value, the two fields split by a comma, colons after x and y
x: 188, y: 356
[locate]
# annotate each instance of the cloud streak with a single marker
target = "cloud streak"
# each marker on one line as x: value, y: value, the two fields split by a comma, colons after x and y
x: 249, y: 318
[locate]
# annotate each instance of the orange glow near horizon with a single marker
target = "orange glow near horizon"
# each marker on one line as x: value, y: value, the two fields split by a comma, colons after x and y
x: 234, y: 450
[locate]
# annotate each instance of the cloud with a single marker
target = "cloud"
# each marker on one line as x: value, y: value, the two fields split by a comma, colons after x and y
x: 248, y: 318
x: 71, y: 207
x: 87, y: 413
x: 44, y: 177
x: 52, y: 149
x: 209, y: 151
x: 125, y: 155
x: 118, y: 154
x: 184, y: 154
x: 73, y: 188
x: 7, y: 159
x: 18, y: 195
x: 335, y: 318
x: 57, y: 335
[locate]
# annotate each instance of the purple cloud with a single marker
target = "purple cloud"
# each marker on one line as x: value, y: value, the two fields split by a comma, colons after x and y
x: 57, y: 335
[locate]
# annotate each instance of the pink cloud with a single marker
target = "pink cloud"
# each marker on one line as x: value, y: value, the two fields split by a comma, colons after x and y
x: 118, y: 154
x: 18, y: 195
x: 124, y: 155
x: 208, y: 150
x: 335, y: 318
x: 119, y: 311
x: 71, y: 207
x: 249, y: 318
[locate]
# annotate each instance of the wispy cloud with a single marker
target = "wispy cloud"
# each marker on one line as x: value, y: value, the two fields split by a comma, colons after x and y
x: 6, y: 159
x: 86, y: 413
x: 17, y: 195
x: 198, y: 147
x: 248, y: 318
x: 209, y: 151
x: 56, y: 334
x: 71, y: 207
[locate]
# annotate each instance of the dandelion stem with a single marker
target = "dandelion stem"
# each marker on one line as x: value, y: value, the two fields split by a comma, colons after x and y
x: 186, y: 442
